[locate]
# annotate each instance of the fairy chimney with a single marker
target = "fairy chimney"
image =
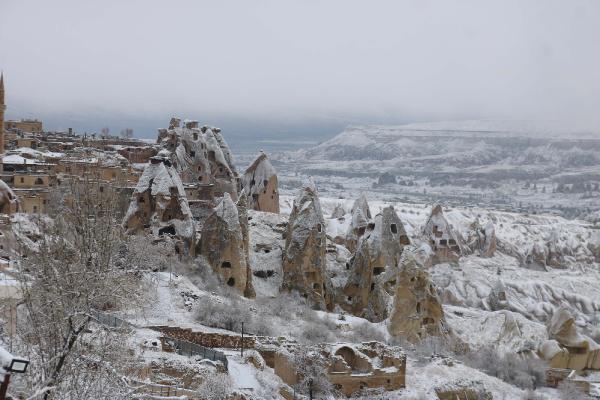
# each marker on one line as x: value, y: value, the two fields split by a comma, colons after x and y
x: 223, y: 244
x: 260, y: 184
x: 159, y: 205
x: 441, y: 237
x: 243, y: 219
x: 304, y: 259
x: 361, y: 221
x: 417, y: 311
x: 201, y: 157
x: 379, y: 250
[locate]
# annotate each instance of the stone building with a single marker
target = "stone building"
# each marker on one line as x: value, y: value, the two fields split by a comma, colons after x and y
x: 441, y: 237
x: 224, y: 243
x: 159, y: 205
x: 417, y: 310
x: 350, y: 367
x: 260, y: 185
x: 304, y: 260
x: 25, y: 125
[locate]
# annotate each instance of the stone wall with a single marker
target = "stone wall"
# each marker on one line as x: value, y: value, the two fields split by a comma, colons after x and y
x: 206, y: 339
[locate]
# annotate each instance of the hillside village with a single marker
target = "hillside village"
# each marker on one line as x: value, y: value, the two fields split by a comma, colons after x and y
x: 160, y: 270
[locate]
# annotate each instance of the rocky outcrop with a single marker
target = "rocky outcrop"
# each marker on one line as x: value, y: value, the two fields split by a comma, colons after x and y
x: 159, y: 205
x: 223, y: 244
x: 379, y: 250
x: 441, y: 237
x: 260, y: 185
x: 201, y: 156
x: 497, y: 299
x: 417, y: 311
x: 482, y: 239
x: 567, y: 347
x: 243, y: 219
x: 338, y: 212
x: 304, y: 259
x: 9, y: 203
x: 360, y: 223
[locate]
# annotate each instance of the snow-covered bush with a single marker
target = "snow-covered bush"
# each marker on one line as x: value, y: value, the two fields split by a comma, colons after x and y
x: 365, y: 332
x: 522, y: 371
x: 215, y: 386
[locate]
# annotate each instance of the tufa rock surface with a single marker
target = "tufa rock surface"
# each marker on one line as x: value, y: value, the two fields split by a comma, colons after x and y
x: 260, y: 185
x: 417, y: 311
x: 441, y: 237
x: 361, y: 221
x: 304, y: 259
x: 159, y: 205
x: 379, y: 251
x: 224, y: 244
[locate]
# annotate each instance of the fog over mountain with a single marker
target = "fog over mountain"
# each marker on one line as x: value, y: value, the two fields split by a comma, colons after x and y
x: 283, y: 65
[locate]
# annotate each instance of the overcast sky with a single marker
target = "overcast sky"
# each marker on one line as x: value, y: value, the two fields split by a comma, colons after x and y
x: 347, y: 61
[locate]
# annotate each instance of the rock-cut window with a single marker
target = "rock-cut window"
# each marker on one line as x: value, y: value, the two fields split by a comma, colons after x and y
x: 394, y: 228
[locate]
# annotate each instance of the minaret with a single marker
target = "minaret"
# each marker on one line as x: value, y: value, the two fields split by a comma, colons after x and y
x: 2, y: 108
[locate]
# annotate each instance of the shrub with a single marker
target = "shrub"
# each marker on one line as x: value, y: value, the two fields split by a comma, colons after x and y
x: 522, y: 371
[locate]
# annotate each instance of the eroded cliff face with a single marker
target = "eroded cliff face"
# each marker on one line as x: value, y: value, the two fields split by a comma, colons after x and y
x: 304, y: 260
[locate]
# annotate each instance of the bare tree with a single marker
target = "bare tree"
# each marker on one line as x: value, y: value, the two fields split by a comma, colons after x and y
x: 66, y: 276
x: 127, y: 133
x: 312, y: 373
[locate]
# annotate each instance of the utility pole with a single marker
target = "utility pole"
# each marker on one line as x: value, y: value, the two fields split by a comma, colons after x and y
x: 242, y: 347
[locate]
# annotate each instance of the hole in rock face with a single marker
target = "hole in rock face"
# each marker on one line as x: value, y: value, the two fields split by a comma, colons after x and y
x: 394, y: 228
x: 230, y: 282
x: 167, y: 230
x: 378, y: 270
x: 264, y: 273
x: 226, y: 264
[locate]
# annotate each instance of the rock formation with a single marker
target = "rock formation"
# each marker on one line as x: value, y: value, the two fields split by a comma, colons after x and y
x: 441, y: 237
x: 497, y: 299
x: 260, y: 185
x: 417, y: 311
x: 304, y: 259
x: 224, y: 245
x: 566, y: 347
x: 361, y: 221
x: 201, y: 156
x: 9, y: 203
x: 379, y: 249
x: 338, y: 212
x: 242, y: 208
x: 159, y: 205
x: 482, y: 240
